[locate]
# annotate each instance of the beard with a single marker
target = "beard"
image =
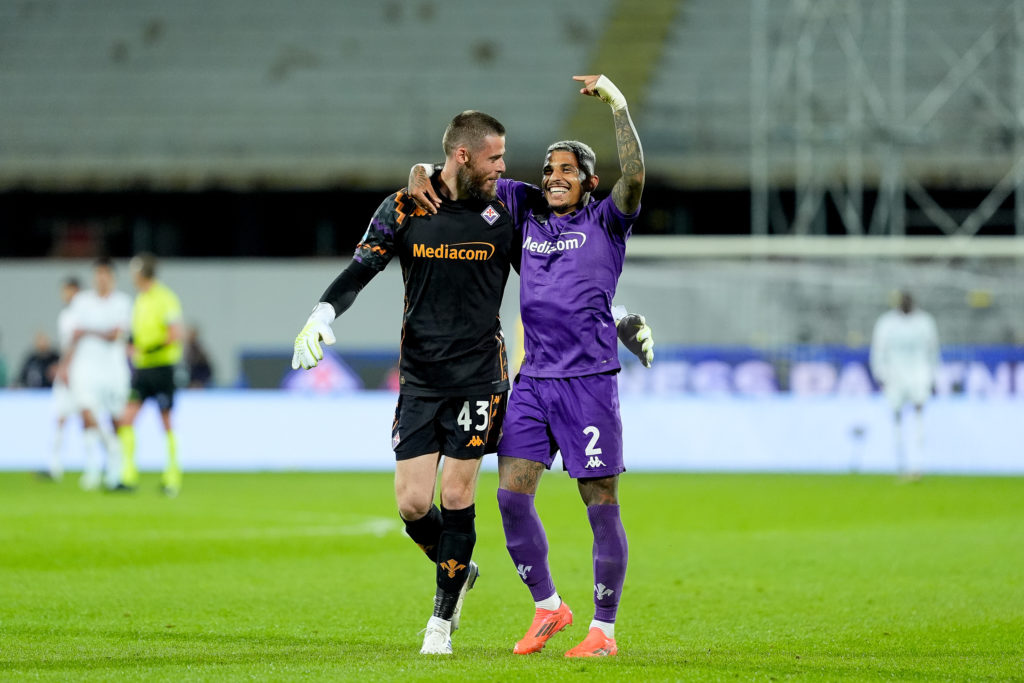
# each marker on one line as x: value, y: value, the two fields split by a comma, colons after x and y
x: 472, y: 184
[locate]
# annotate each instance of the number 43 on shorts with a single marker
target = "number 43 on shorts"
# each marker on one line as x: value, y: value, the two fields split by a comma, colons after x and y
x: 465, y: 418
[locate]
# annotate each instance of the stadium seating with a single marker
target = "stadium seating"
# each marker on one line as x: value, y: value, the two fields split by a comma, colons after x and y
x: 298, y: 92
x: 698, y: 111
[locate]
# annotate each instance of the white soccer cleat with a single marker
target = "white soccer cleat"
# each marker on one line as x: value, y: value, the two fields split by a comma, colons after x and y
x: 471, y: 574
x: 89, y: 481
x: 437, y: 640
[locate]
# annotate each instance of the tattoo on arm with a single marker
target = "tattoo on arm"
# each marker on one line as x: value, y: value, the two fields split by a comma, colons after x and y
x: 627, y: 191
x: 418, y: 179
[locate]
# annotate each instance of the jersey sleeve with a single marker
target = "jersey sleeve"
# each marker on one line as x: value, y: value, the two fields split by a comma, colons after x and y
x: 377, y: 246
x: 124, y: 316
x: 518, y: 198
x: 616, y: 222
x: 877, y: 353
x: 172, y: 312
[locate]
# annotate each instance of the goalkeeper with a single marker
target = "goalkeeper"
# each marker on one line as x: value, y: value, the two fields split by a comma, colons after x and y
x: 566, y: 395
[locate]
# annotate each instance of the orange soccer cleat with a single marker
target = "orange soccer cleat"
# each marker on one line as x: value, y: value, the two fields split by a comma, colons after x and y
x: 546, y: 623
x: 596, y: 644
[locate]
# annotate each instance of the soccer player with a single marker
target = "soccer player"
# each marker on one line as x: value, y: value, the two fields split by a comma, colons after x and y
x: 453, y: 369
x: 157, y: 335
x: 95, y: 367
x: 566, y: 395
x: 64, y: 405
x: 904, y: 358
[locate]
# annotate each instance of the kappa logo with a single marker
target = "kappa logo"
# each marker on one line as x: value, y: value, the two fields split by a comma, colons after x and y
x: 524, y: 570
x: 594, y: 462
x: 567, y: 241
x: 475, y: 441
x: 602, y: 591
x: 452, y: 566
x: 490, y: 215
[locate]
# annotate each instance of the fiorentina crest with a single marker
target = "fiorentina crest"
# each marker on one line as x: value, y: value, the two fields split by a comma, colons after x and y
x: 490, y: 215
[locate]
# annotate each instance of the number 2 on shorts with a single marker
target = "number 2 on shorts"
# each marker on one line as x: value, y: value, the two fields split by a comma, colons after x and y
x: 465, y: 419
x: 595, y: 434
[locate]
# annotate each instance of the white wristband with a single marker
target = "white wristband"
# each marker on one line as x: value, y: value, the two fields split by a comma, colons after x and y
x: 427, y: 168
x: 323, y: 312
x: 607, y: 91
x: 618, y: 313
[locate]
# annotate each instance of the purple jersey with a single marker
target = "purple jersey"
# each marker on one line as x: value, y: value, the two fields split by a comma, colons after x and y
x: 570, y: 268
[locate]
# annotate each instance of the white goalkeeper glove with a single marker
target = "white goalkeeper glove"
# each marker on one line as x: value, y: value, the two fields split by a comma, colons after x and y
x: 635, y: 334
x: 307, y: 345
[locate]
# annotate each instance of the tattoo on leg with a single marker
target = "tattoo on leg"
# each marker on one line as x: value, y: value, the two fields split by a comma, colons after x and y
x: 519, y: 475
x: 599, y: 491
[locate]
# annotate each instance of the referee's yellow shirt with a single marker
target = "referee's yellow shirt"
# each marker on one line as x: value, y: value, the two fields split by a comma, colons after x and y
x: 154, y: 311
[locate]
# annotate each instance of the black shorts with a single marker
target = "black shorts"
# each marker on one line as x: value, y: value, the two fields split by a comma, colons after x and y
x: 155, y: 383
x: 464, y: 428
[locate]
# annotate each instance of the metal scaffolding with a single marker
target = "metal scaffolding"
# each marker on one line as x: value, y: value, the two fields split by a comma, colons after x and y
x: 827, y: 137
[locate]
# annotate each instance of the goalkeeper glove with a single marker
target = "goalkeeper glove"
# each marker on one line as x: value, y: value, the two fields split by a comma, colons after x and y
x: 307, y: 345
x: 636, y: 335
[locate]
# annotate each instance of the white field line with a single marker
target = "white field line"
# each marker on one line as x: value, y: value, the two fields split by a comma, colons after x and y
x: 373, y: 526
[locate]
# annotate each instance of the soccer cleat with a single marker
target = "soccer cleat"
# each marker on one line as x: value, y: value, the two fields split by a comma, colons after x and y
x: 437, y: 639
x: 170, y: 482
x: 89, y: 481
x: 129, y: 473
x: 546, y: 623
x: 471, y: 574
x: 596, y: 644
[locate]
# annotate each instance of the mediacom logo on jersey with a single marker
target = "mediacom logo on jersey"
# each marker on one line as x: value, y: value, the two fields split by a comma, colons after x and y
x: 464, y: 251
x: 565, y: 242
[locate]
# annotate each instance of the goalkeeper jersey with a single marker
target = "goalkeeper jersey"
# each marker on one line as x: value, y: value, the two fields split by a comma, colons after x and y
x: 455, y: 265
x: 567, y: 279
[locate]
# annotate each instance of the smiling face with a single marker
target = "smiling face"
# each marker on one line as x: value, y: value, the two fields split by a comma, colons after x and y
x: 480, y: 169
x: 564, y: 184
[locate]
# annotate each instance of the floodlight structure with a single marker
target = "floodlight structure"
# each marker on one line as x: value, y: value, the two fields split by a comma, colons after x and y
x: 900, y: 95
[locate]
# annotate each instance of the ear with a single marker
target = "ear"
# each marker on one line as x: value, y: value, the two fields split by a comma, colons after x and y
x: 462, y: 155
x: 591, y: 183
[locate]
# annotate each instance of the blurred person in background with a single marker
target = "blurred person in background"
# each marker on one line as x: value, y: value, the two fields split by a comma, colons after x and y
x: 64, y: 404
x: 904, y: 360
x: 200, y: 371
x: 95, y: 367
x: 157, y: 335
x: 40, y: 366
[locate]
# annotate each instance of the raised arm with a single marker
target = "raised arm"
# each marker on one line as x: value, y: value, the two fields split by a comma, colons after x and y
x: 630, y: 186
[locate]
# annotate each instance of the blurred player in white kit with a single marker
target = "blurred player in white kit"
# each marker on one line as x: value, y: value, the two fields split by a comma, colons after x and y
x: 64, y: 406
x: 95, y: 366
x: 904, y: 360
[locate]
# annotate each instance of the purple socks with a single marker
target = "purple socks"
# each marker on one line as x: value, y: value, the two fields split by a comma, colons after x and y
x: 610, y: 557
x: 526, y: 542
x: 528, y: 546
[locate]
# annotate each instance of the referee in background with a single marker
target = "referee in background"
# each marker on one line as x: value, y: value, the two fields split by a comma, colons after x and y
x: 157, y: 334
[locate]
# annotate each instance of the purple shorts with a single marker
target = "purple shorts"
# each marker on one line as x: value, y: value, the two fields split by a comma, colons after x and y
x: 578, y: 416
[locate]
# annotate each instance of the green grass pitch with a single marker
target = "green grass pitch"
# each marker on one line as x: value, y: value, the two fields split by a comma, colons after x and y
x: 307, y: 576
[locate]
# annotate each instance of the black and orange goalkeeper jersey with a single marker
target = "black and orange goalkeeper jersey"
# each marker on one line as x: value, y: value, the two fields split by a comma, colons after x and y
x: 454, y: 265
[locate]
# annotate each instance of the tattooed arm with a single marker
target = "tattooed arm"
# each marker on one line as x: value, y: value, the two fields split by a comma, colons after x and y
x: 629, y: 187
